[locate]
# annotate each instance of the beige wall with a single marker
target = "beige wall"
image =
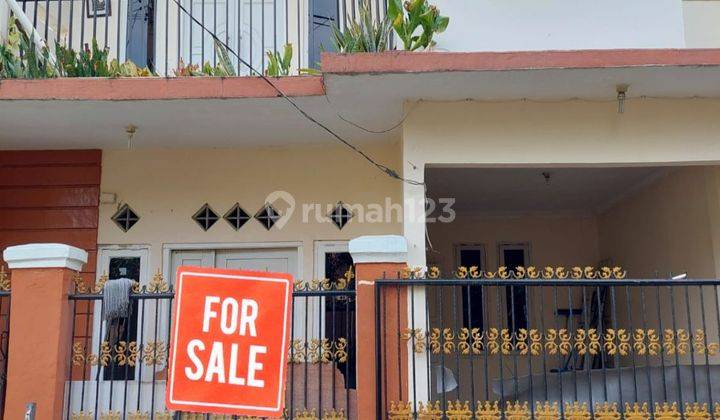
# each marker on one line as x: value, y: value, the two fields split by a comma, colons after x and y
x: 561, y: 240
x: 554, y: 240
x: 664, y: 225
x: 662, y: 228
x: 568, y: 133
x: 166, y: 187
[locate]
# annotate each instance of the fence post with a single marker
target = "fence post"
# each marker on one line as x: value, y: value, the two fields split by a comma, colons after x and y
x: 40, y: 327
x: 375, y: 256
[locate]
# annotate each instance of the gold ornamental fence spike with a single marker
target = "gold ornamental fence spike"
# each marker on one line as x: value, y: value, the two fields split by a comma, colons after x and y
x: 666, y: 411
x: 547, y: 411
x: 696, y: 411
x: 607, y: 411
x: 4, y: 279
x: 458, y: 410
x: 100, y: 284
x: 305, y: 414
x: 636, y: 411
x: 158, y: 284
x: 80, y: 286
x: 517, y: 411
x: 488, y: 410
x: 461, y: 272
x: 400, y: 411
x: 332, y: 414
x: 111, y: 415
x: 576, y: 411
x: 430, y: 411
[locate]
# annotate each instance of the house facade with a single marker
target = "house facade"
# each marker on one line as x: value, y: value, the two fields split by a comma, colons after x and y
x: 549, y: 172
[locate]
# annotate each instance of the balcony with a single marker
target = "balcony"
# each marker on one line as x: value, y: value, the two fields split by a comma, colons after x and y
x: 167, y: 34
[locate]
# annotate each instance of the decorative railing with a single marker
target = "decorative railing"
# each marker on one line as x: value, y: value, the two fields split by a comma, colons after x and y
x: 547, y: 343
x: 5, y: 286
x: 171, y: 37
x: 117, y: 368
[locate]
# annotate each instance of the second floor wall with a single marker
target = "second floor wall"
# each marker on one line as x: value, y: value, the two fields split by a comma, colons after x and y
x: 521, y: 25
x: 159, y: 33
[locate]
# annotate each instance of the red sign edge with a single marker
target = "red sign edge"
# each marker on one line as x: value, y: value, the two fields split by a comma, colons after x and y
x: 269, y: 412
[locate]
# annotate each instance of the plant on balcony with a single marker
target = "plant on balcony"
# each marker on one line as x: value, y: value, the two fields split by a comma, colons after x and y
x: 93, y: 62
x: 416, y: 22
x: 223, y: 68
x: 279, y: 64
x: 364, y: 35
x: 19, y: 57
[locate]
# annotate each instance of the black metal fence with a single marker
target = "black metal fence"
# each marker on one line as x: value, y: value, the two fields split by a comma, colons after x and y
x: 4, y: 337
x: 166, y: 35
x: 553, y: 343
x: 118, y: 367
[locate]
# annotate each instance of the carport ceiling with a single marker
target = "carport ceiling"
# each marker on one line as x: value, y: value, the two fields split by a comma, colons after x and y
x: 527, y: 190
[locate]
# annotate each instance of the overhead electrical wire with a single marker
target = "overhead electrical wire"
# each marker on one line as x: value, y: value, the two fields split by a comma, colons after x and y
x: 387, y: 170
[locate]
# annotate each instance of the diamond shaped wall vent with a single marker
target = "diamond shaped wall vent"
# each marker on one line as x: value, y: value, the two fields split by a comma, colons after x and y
x: 236, y: 216
x: 268, y: 216
x: 341, y: 215
x: 125, y: 218
x: 205, y: 217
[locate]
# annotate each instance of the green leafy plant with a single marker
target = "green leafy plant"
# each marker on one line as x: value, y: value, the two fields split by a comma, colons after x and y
x: 93, y: 62
x: 364, y: 35
x: 127, y: 69
x: 10, y: 64
x: 20, y: 58
x: 279, y: 64
x: 223, y: 68
x: 412, y: 15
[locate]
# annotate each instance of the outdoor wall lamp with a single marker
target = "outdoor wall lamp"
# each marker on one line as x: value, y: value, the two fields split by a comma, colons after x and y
x: 130, y: 131
x: 621, y: 94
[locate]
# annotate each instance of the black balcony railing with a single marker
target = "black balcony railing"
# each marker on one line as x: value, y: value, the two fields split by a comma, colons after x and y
x: 542, y: 344
x: 167, y: 34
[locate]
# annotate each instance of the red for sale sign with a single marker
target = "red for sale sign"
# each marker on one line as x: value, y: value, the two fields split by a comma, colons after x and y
x: 230, y: 335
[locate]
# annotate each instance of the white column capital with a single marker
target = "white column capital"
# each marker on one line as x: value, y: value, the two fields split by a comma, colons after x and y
x: 45, y: 256
x: 379, y: 249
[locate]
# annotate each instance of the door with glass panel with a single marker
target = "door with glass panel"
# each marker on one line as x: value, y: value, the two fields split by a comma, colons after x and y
x: 248, y: 27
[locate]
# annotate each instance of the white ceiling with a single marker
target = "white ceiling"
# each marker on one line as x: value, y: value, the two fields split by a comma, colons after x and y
x: 525, y: 190
x: 373, y: 101
x: 170, y: 123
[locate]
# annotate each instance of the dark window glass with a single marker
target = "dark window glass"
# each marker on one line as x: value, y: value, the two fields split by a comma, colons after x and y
x: 515, y: 295
x: 340, y: 313
x: 472, y: 295
x: 122, y: 329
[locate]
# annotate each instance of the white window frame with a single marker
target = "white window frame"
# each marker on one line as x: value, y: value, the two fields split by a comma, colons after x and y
x: 105, y: 253
x: 323, y: 248
x: 508, y: 246
x: 471, y: 247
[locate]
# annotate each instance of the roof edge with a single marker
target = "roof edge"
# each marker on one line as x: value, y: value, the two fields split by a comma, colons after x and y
x: 426, y: 62
x: 157, y: 88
